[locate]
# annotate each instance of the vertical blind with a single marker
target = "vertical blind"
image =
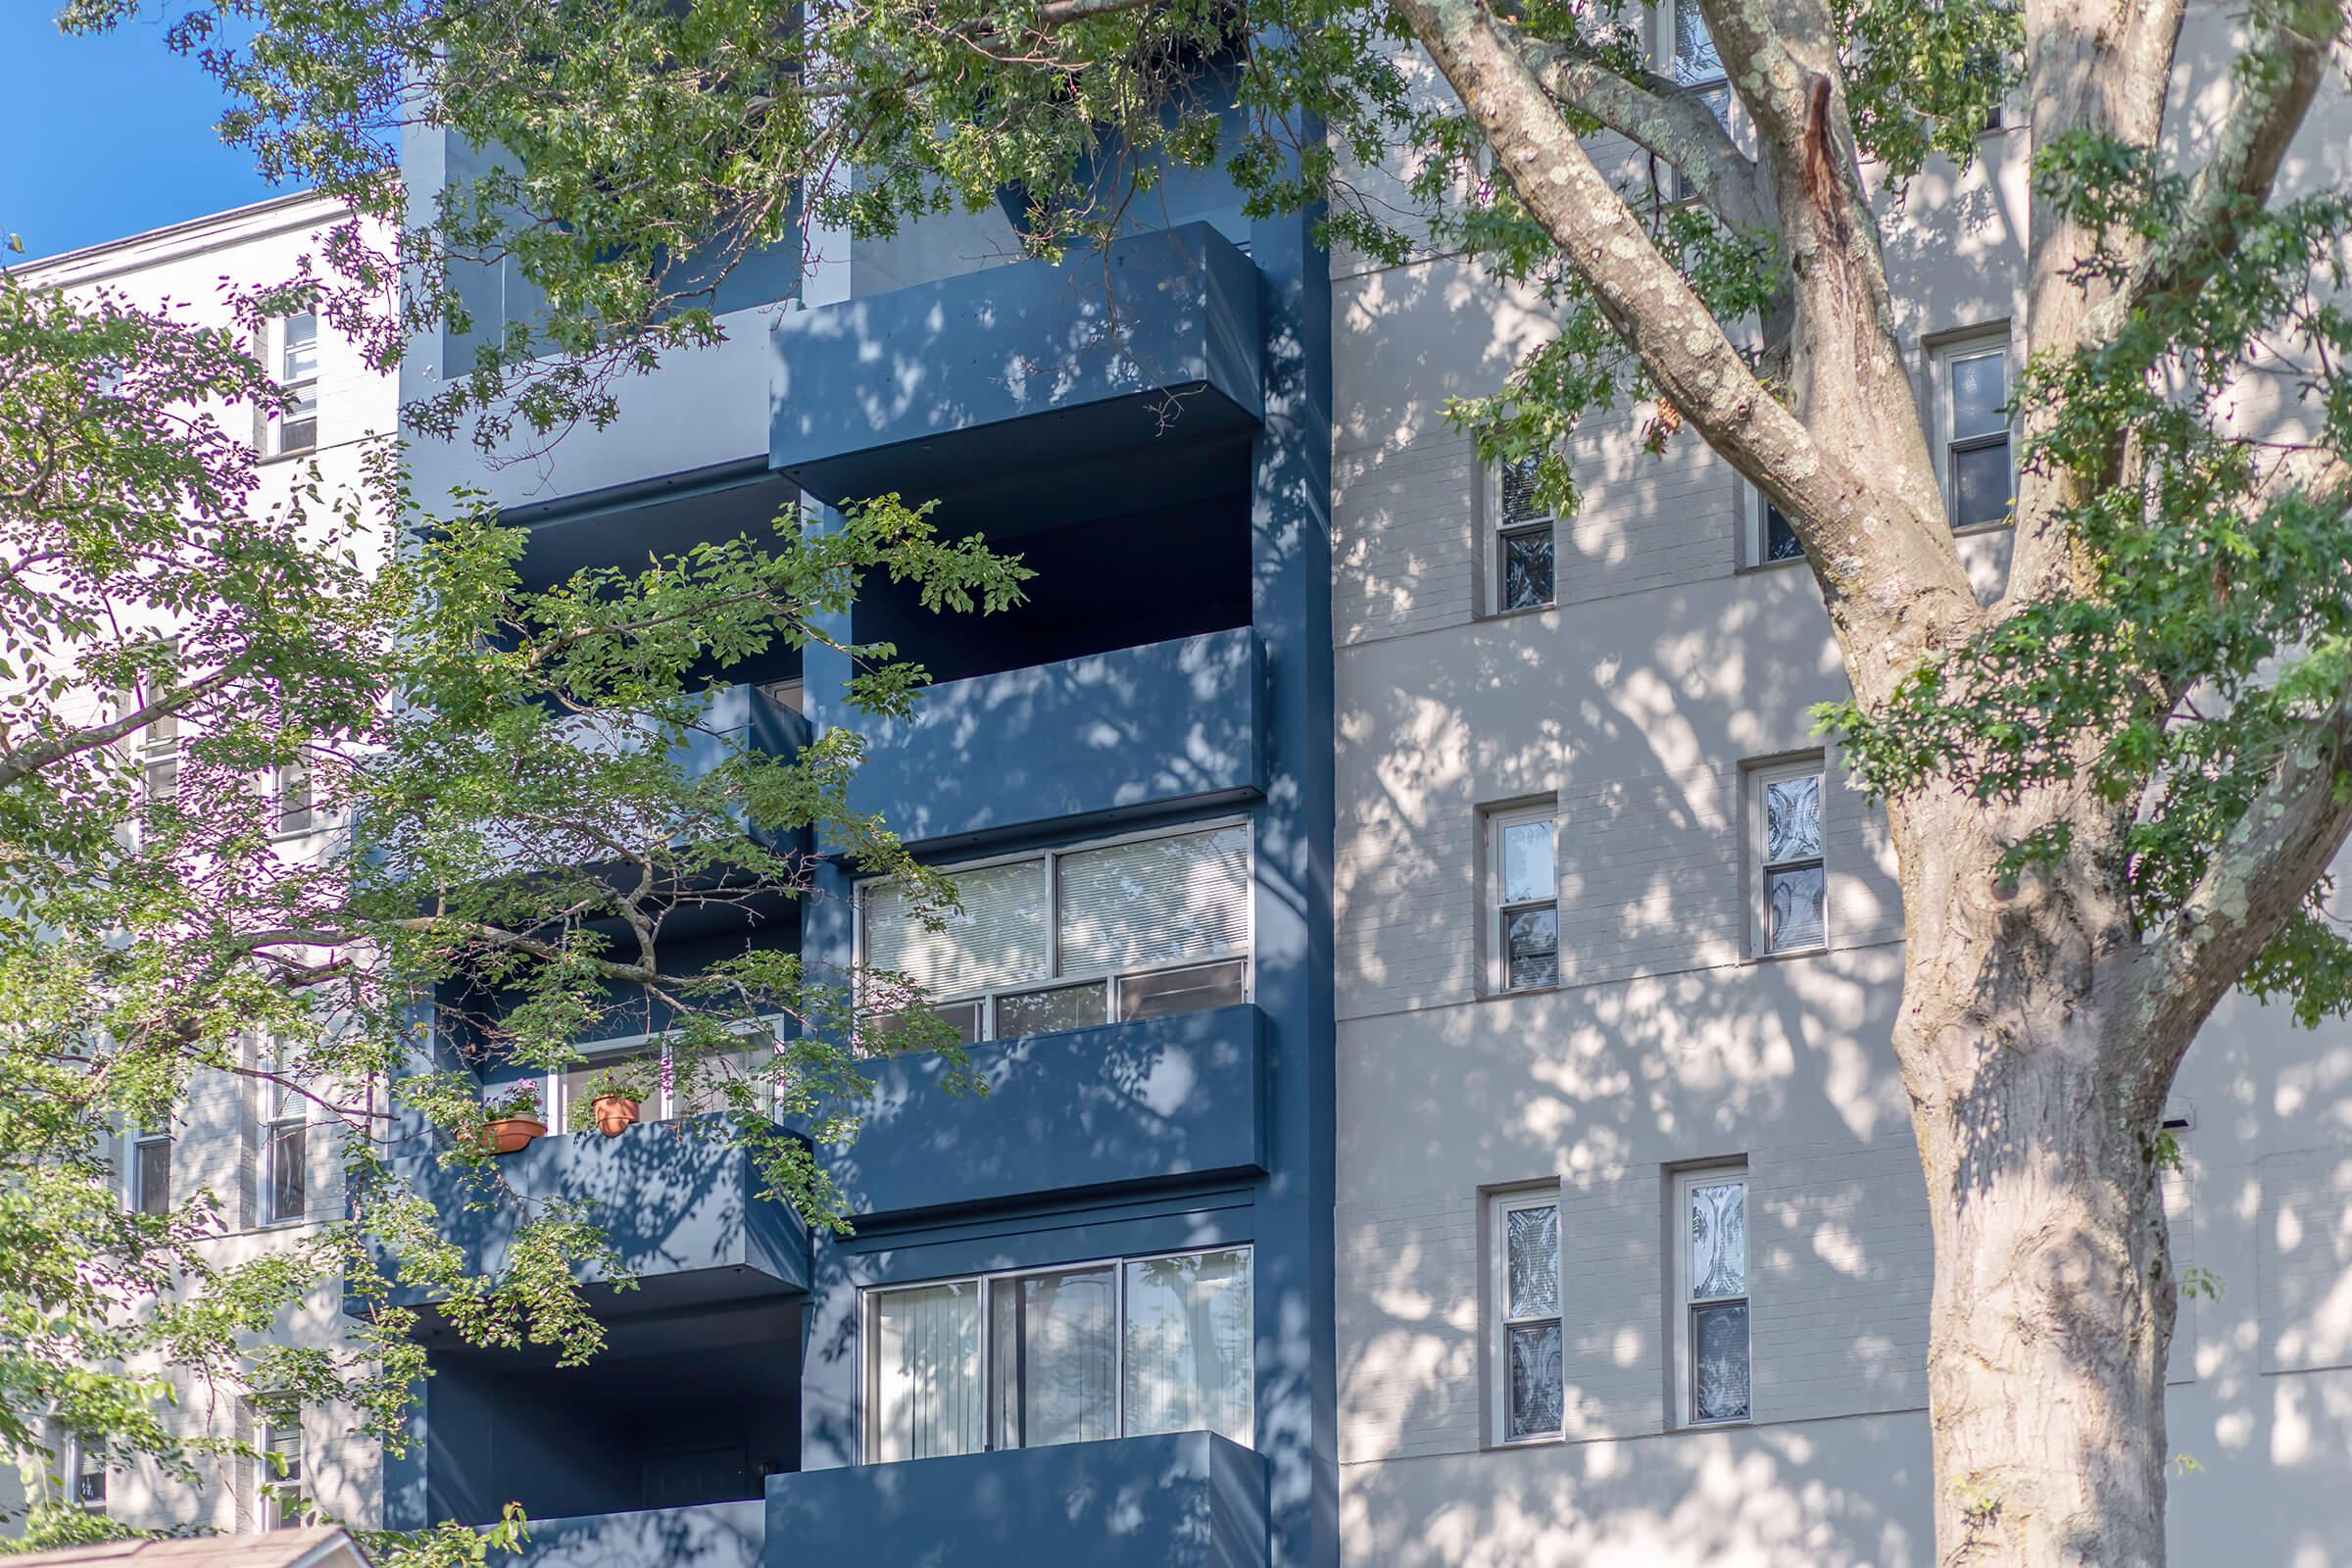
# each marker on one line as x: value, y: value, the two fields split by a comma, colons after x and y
x: 927, y: 1371
x: 1188, y: 1345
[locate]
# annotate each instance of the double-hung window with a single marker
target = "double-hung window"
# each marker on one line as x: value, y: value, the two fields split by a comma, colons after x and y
x: 1974, y: 391
x: 283, y: 1501
x: 1529, y: 1379
x: 1696, y: 67
x: 1524, y: 537
x: 656, y: 1071
x: 151, y: 1170
x: 295, y: 803
x: 1134, y: 928
x: 1524, y: 932
x: 159, y: 758
x: 1712, y: 1331
x: 1771, y: 537
x: 1785, y: 824
x: 294, y: 367
x: 85, y: 1475
x: 285, y: 1141
x: 1119, y: 1347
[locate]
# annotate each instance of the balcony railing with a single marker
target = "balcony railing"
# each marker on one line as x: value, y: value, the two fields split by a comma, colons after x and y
x: 1138, y: 729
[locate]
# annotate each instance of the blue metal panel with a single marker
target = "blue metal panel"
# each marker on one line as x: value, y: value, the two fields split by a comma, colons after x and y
x: 996, y: 371
x: 1077, y: 1111
x: 712, y: 1535
x: 1187, y: 1499
x: 1179, y: 722
x: 681, y: 1207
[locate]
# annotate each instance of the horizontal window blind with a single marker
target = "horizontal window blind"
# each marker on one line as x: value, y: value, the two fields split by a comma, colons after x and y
x: 998, y: 937
x: 1156, y: 901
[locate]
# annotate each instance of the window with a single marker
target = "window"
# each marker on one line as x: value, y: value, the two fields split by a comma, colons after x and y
x: 665, y: 1100
x: 151, y: 1170
x: 294, y: 367
x: 1524, y: 531
x: 1771, y: 537
x: 285, y: 1136
x: 1793, y: 887
x: 1523, y: 931
x: 1696, y: 66
x: 1132, y: 929
x: 1973, y: 382
x: 85, y: 1474
x: 282, y: 1502
x: 296, y: 805
x: 1123, y: 1347
x: 1712, y: 1331
x: 159, y: 758
x: 1530, y: 1383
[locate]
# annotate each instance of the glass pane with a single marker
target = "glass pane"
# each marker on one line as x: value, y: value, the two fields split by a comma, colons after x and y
x: 1153, y: 902
x: 1534, y: 1379
x: 1798, y: 900
x: 1980, y: 485
x: 1695, y: 56
x: 1533, y: 1242
x: 1792, y: 819
x: 1719, y: 1355
x: 1041, y: 1012
x: 926, y: 1371
x: 301, y: 361
x: 1719, y: 103
x: 1527, y: 569
x: 294, y: 800
x: 1518, y: 485
x: 1979, y: 390
x: 1190, y: 1355
x: 643, y: 1067
x: 1531, y: 940
x: 298, y: 419
x: 1172, y: 991
x: 1055, y: 1356
x: 1780, y: 539
x: 1526, y: 864
x: 997, y: 938
x: 154, y: 1176
x: 284, y: 1168
x: 1718, y: 1240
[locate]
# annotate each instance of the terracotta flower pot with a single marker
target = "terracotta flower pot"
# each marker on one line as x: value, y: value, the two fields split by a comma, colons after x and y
x: 615, y: 1115
x: 509, y: 1133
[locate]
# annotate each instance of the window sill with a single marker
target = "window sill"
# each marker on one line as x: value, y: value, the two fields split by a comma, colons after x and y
x: 264, y: 460
x: 1545, y: 608
x: 1976, y: 528
x: 1549, y: 1439
x: 1814, y: 951
x: 1756, y: 566
x: 1523, y: 990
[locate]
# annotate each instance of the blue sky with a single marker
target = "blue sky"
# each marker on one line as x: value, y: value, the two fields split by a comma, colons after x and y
x: 110, y: 135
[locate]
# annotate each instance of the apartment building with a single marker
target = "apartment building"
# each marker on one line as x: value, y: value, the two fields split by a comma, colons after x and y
x: 1633, y: 1243
x: 275, y: 1175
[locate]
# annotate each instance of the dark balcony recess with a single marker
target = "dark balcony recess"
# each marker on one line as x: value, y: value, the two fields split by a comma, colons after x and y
x: 1122, y: 1105
x: 947, y: 385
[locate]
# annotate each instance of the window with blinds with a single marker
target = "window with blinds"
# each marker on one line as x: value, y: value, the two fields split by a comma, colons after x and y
x: 1099, y: 933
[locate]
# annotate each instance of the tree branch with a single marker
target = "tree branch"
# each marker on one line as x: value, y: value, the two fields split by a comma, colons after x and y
x: 31, y: 759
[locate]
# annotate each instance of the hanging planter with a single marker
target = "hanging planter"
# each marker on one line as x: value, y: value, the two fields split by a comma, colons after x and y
x: 613, y: 1098
x: 510, y: 1119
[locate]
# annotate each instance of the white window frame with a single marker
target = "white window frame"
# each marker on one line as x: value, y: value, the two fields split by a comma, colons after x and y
x: 271, y: 1510
x: 313, y: 817
x: 141, y: 1138
x: 1499, y: 531
x: 1499, y: 912
x: 1944, y: 355
x: 1756, y: 533
x: 1686, y: 1367
x: 280, y: 1109
x: 1500, y: 1207
x: 984, y: 1284
x: 1667, y: 62
x: 1760, y: 775
x: 159, y: 748
x: 988, y: 997
x: 81, y: 1465
x: 273, y: 441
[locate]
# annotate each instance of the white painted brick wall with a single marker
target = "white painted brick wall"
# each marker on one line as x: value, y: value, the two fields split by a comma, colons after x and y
x: 1842, y: 1269
x: 1405, y: 553
x: 1408, y: 1325
x: 1650, y: 874
x: 2304, y: 1229
x: 1611, y: 1249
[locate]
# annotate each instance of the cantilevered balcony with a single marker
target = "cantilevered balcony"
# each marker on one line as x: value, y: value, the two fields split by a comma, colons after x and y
x: 946, y: 385
x: 1188, y: 1499
x: 1177, y: 723
x: 681, y: 1208
x: 1121, y: 1105
x: 716, y: 1535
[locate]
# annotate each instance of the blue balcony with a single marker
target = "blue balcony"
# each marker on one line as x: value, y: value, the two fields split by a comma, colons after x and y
x: 1189, y: 1499
x: 749, y: 718
x: 946, y: 384
x: 1121, y: 1105
x: 681, y: 1205
x: 1181, y: 722
x: 712, y: 1535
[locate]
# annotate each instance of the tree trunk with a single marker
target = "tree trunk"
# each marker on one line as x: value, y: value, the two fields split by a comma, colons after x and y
x: 2054, y: 1292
